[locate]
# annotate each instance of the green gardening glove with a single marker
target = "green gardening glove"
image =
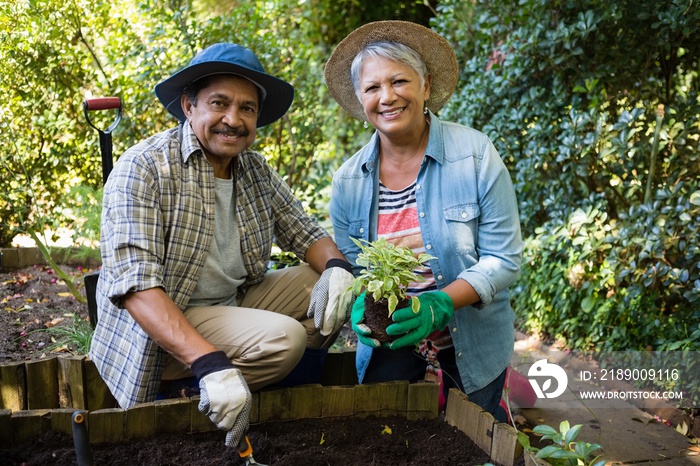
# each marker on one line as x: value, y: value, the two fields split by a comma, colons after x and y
x: 436, y: 309
x: 357, y: 317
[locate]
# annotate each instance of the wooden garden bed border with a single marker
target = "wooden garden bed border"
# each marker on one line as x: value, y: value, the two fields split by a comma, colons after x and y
x: 40, y: 396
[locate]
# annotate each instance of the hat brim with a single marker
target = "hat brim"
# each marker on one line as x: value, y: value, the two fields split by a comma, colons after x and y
x: 436, y: 52
x: 278, y: 99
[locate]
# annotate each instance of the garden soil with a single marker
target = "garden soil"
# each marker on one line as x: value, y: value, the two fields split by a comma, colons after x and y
x: 308, y: 442
x: 33, y: 299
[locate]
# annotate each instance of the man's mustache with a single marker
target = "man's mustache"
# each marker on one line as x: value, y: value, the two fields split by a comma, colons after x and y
x: 229, y: 131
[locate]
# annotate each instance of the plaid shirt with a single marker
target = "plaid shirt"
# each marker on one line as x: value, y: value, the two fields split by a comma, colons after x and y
x: 157, y: 227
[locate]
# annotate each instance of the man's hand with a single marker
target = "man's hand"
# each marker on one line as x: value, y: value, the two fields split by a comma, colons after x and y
x: 224, y: 394
x: 357, y: 318
x: 331, y: 298
x: 436, y: 309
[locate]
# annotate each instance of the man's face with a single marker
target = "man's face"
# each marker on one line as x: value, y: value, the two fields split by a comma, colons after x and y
x: 224, y: 117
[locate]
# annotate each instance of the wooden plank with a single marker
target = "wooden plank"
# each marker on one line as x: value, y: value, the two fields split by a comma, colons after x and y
x: 307, y: 402
x: 200, y: 422
x: 394, y: 398
x: 505, y: 448
x: 13, y: 381
x: 42, y: 384
x: 471, y: 421
x: 530, y: 460
x: 9, y: 259
x: 173, y: 415
x: 484, y: 434
x: 338, y: 401
x: 106, y: 426
x: 71, y: 382
x: 140, y: 421
x: 29, y: 424
x: 5, y: 428
x: 255, y: 408
x: 423, y: 401
x: 62, y: 420
x: 368, y: 400
x: 275, y: 405
x: 97, y: 393
x: 456, y: 409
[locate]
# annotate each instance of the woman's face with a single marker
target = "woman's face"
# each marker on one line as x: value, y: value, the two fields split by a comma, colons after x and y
x: 392, y: 96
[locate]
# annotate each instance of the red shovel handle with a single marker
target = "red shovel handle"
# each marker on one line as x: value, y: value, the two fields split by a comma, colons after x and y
x: 103, y: 103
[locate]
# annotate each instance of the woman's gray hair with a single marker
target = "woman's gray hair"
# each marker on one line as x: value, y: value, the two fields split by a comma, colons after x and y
x: 394, y: 51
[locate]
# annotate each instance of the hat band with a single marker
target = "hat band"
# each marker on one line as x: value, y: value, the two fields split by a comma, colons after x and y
x: 263, y: 92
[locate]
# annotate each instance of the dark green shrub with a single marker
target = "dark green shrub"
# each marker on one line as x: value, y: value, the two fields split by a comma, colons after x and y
x: 594, y: 107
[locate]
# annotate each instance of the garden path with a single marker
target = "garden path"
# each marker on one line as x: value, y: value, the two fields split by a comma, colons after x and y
x: 628, y: 435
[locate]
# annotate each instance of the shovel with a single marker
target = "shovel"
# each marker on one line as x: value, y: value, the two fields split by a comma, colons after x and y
x: 81, y: 442
x: 245, y: 450
x: 102, y: 103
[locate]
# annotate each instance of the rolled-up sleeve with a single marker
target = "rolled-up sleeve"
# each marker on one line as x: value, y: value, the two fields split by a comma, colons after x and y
x: 132, y: 232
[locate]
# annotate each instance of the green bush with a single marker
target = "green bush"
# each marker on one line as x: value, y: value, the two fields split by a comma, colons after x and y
x: 594, y: 108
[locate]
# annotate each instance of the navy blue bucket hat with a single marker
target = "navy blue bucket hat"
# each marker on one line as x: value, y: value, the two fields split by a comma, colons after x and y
x: 276, y: 94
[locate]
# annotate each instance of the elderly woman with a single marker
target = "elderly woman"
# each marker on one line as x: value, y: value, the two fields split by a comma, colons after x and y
x: 435, y: 187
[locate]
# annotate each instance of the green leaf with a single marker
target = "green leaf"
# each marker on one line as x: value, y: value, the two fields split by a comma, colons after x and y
x: 548, y: 451
x: 695, y: 198
x: 562, y: 453
x: 588, y: 303
x: 544, y: 430
x: 393, y: 302
x: 524, y: 440
x: 374, y: 285
x: 571, y: 434
x: 564, y: 426
x: 415, y: 304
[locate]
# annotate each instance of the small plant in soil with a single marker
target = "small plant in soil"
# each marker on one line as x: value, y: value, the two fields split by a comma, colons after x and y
x: 564, y: 450
x: 387, y: 271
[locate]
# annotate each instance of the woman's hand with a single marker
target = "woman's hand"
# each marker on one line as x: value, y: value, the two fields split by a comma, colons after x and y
x: 436, y: 310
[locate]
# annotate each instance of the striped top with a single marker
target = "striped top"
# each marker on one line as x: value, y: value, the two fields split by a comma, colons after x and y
x: 398, y: 224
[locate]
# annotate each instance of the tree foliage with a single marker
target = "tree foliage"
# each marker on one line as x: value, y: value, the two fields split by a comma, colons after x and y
x: 579, y: 97
x: 56, y: 54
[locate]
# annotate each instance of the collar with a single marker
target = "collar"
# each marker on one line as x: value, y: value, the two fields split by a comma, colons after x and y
x: 189, y: 144
x: 434, y: 150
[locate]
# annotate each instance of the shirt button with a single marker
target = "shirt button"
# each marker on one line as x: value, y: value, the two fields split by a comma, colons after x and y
x: 422, y: 214
x: 428, y: 247
x: 362, y: 230
x: 464, y: 215
x: 417, y: 186
x: 459, y: 355
x: 439, y: 277
x: 454, y: 329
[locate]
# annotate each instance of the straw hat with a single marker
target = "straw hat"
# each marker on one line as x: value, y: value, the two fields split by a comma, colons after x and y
x: 434, y: 49
x: 223, y: 58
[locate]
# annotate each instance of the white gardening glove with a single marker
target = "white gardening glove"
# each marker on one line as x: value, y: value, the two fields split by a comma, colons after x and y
x: 224, y: 395
x: 332, y: 298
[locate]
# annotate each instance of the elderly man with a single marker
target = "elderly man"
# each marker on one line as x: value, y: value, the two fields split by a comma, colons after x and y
x: 188, y: 222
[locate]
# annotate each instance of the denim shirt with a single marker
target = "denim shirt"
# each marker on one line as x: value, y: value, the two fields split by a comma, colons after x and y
x: 469, y: 221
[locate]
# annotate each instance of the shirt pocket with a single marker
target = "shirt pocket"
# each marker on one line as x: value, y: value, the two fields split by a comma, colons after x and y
x: 462, y: 223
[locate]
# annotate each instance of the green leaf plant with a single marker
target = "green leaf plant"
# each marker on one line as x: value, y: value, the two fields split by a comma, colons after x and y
x: 387, y: 271
x: 564, y: 450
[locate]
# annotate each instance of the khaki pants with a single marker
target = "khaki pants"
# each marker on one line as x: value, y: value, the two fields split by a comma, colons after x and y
x: 265, y: 337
